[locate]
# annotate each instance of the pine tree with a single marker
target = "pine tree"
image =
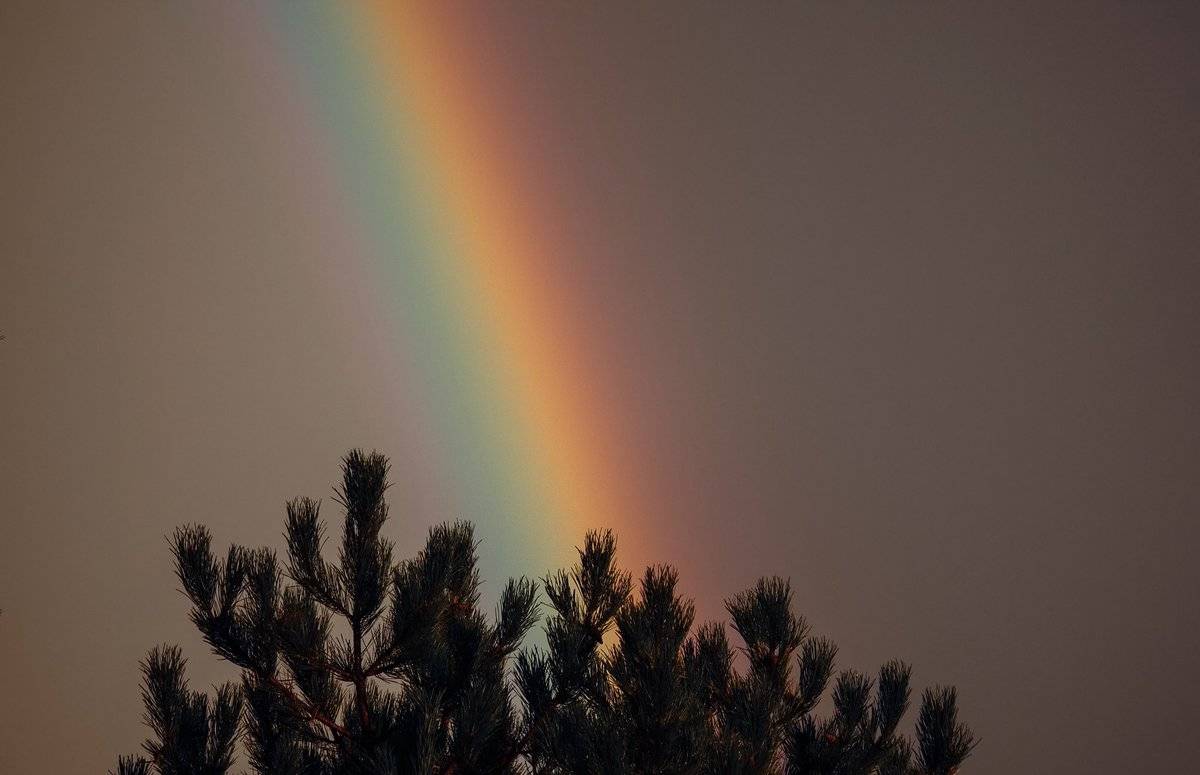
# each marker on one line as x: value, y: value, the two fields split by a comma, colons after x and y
x: 372, y: 666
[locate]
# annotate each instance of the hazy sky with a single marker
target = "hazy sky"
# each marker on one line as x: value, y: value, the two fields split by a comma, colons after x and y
x: 899, y: 301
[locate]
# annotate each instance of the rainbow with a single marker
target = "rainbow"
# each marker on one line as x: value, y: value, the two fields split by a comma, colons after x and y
x: 456, y: 255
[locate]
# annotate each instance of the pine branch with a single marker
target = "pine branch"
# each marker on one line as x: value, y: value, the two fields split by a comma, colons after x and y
x: 415, y: 678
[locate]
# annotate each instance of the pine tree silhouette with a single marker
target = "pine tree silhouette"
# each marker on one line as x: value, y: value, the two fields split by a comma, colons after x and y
x: 369, y: 666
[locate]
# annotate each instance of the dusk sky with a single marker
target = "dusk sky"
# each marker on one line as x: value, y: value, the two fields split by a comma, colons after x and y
x: 897, y: 300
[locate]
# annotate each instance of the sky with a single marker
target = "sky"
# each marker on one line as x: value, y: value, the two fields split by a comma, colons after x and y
x: 897, y: 301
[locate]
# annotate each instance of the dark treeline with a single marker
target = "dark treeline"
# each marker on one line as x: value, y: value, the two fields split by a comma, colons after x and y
x: 372, y: 665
